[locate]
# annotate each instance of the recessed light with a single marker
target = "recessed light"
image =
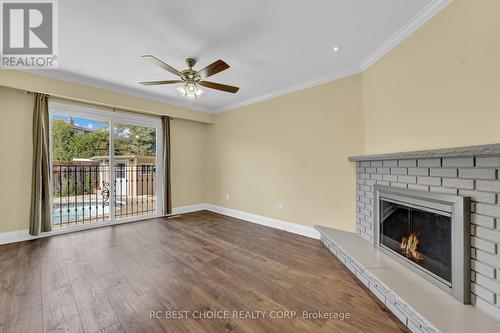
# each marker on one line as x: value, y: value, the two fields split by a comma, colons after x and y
x: 336, y: 48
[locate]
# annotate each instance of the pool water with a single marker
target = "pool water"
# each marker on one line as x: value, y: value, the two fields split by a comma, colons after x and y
x: 79, y: 211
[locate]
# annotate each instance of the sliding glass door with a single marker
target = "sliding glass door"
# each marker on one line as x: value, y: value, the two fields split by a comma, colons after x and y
x: 104, y: 166
x: 135, y: 170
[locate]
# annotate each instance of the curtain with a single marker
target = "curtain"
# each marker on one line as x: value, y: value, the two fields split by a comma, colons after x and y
x: 167, y: 196
x: 40, y: 214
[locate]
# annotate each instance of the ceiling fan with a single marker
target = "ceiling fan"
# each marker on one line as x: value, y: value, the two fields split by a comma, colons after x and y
x: 191, y: 79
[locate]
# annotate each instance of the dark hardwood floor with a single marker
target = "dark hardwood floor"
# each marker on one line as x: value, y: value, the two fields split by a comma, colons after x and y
x: 109, y: 279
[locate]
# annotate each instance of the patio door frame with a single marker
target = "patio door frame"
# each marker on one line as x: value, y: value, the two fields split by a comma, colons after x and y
x: 113, y: 117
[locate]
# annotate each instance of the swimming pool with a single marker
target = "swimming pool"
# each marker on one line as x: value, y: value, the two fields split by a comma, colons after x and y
x: 71, y: 212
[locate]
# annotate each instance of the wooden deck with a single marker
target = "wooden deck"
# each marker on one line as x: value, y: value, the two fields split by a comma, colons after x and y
x: 110, y: 279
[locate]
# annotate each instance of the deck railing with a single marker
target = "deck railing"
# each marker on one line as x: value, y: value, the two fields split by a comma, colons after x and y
x: 81, y: 193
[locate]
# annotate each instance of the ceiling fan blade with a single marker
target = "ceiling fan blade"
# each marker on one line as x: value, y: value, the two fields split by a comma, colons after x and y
x: 212, y: 69
x: 158, y: 62
x: 155, y: 83
x: 219, y: 86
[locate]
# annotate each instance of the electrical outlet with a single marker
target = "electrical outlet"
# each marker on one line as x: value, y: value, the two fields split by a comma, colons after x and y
x: 227, y: 196
x: 280, y: 206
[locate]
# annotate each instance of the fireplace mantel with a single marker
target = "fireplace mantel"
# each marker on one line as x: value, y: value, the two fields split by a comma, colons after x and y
x: 480, y: 150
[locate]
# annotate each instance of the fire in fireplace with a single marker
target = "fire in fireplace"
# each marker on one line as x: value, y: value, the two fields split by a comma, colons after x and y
x: 409, y: 246
x: 428, y: 233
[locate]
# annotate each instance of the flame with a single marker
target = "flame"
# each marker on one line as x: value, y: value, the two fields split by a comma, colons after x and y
x: 409, y: 247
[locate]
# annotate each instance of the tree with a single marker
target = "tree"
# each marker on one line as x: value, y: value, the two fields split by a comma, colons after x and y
x: 135, y: 140
x: 63, y: 137
x: 68, y: 144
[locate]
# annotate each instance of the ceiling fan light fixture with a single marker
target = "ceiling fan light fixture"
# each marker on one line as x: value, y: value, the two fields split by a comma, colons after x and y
x: 190, y: 91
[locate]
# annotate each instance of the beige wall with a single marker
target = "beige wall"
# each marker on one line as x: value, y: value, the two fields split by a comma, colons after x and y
x: 15, y: 162
x: 441, y: 86
x: 188, y: 140
x: 291, y: 149
x: 189, y: 146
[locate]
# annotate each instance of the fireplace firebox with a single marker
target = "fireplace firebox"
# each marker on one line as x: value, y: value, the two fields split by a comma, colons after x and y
x: 428, y: 233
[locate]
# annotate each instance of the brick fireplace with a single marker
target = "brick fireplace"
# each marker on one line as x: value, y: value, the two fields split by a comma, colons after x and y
x: 471, y: 172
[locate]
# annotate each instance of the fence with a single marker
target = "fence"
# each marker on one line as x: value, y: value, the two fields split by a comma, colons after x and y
x: 81, y: 193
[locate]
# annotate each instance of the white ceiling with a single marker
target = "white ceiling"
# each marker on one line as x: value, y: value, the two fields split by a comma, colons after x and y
x: 273, y: 47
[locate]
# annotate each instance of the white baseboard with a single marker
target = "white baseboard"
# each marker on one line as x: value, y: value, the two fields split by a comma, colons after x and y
x: 267, y: 221
x: 189, y: 209
x: 15, y: 236
x: 23, y: 235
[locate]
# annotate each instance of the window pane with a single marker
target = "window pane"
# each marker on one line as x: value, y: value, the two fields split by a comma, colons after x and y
x: 135, y: 170
x: 80, y: 150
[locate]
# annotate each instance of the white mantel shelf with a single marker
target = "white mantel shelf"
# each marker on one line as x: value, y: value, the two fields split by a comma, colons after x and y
x: 490, y: 149
x: 420, y: 305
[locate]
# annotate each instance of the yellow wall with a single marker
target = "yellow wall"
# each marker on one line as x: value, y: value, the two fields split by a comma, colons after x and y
x: 188, y: 146
x: 291, y: 149
x: 441, y: 86
x: 15, y: 162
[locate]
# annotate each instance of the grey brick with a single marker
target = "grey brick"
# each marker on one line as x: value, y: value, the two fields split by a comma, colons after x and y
x: 466, y: 184
x: 407, y: 163
x: 391, y: 163
x: 400, y: 185
x: 418, y: 171
x: 490, y: 186
x: 488, y: 161
x: 458, y: 161
x: 483, y: 269
x: 491, y: 259
x: 371, y: 170
x: 366, y: 200
x: 487, y: 209
x: 492, y: 285
x: 366, y: 212
x: 385, y: 171
x: 407, y: 179
x: 479, y: 196
x: 485, y: 221
x: 413, y: 327
x: 365, y: 163
x: 444, y: 172
x: 383, y: 182
x: 443, y: 190
x: 399, y: 171
x: 397, y: 312
x: 390, y: 178
x: 477, y: 173
x: 418, y: 187
x: 370, y: 182
x: 360, y: 170
x: 483, y: 245
x: 429, y: 162
x: 483, y: 293
x: 429, y: 181
x: 376, y: 163
x: 364, y: 176
x: 377, y: 176
x: 489, y: 234
x: 366, y: 188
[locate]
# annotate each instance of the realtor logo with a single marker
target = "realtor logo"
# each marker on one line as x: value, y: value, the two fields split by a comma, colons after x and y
x: 29, y: 34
